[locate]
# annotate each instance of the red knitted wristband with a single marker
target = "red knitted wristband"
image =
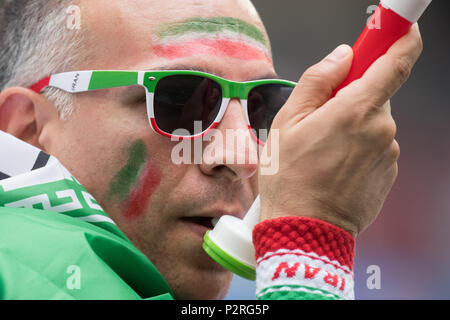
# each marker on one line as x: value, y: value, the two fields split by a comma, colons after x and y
x: 304, y: 253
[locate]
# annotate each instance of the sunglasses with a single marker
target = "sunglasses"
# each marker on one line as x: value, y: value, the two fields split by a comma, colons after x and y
x: 185, y: 104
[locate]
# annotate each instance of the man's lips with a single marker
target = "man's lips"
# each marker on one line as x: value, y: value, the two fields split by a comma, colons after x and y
x: 202, y: 221
x: 207, y: 221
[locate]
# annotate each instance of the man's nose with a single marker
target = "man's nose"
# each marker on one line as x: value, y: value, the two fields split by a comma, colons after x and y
x: 231, y: 149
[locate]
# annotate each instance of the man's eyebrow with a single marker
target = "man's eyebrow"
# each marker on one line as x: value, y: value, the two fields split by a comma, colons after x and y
x: 185, y: 67
x: 269, y: 75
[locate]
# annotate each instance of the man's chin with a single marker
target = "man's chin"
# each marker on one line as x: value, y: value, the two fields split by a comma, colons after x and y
x: 197, y: 275
x: 178, y: 255
x: 203, y: 285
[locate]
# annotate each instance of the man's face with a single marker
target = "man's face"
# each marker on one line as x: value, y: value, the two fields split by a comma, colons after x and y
x: 110, y: 148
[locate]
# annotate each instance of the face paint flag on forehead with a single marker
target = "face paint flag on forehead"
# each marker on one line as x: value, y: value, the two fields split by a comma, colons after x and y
x: 220, y: 36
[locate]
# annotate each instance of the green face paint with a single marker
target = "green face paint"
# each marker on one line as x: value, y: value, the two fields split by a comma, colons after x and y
x: 213, y: 25
x: 135, y: 183
x: 127, y: 177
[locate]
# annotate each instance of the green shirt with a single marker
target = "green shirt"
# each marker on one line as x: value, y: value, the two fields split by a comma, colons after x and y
x: 47, y: 255
x: 56, y: 242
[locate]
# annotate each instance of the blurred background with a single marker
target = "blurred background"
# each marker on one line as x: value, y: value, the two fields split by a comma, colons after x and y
x: 410, y: 240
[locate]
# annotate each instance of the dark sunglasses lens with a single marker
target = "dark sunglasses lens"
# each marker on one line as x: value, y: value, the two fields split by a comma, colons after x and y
x: 186, y: 102
x: 263, y: 104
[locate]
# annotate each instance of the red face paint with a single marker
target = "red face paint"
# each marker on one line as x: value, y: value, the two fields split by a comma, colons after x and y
x: 221, y: 48
x: 139, y: 198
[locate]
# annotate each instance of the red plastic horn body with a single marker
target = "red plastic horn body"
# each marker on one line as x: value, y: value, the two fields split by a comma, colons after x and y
x: 383, y: 29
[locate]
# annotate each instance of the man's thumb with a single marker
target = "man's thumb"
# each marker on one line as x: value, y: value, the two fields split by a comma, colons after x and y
x: 317, y: 84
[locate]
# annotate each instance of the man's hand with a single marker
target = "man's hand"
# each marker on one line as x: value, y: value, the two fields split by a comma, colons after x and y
x: 338, y: 157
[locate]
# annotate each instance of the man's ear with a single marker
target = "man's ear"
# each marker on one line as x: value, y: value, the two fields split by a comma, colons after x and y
x: 24, y: 114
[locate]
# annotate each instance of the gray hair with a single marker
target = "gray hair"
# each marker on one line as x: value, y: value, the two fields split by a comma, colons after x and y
x: 35, y: 43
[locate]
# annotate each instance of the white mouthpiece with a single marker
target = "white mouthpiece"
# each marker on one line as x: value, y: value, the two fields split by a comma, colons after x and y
x: 411, y: 10
x: 234, y: 236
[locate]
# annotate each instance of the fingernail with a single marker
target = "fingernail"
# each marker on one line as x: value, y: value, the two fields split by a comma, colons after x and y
x: 416, y: 26
x: 340, y: 52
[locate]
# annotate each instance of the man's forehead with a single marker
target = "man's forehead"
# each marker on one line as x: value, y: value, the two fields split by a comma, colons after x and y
x: 123, y: 33
x: 162, y: 12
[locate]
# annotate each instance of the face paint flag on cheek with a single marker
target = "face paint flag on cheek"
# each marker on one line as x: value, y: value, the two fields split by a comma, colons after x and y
x: 135, y: 183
